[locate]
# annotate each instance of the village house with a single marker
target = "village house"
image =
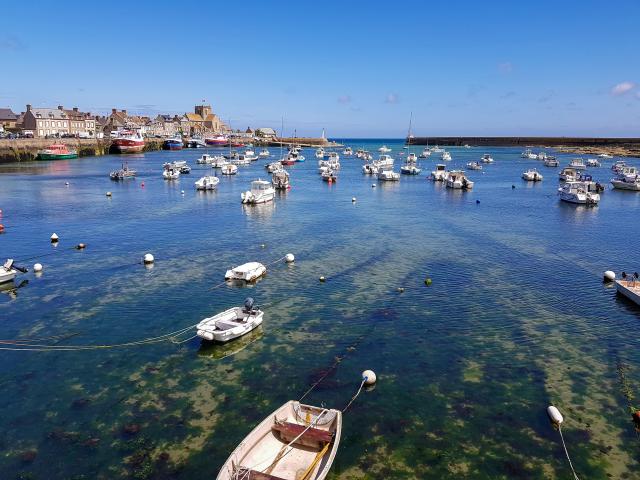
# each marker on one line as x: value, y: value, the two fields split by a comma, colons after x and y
x: 81, y: 124
x: 164, y: 126
x: 45, y: 121
x: 266, y: 133
x: 8, y: 119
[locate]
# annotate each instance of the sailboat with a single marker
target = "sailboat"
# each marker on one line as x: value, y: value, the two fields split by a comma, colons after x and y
x: 410, y: 166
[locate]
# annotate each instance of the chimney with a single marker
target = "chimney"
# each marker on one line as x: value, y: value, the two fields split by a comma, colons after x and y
x: 124, y: 112
x: 28, y: 107
x: 60, y: 107
x: 113, y: 111
x: 75, y: 109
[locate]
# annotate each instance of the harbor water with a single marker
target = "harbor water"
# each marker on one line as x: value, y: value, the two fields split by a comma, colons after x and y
x: 515, y: 318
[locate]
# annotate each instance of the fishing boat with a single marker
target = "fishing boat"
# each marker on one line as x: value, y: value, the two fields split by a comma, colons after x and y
x: 264, y: 153
x: 437, y: 149
x: 123, y: 174
x: 208, y: 182
x: 457, y: 180
x: 486, y: 158
x: 273, y: 167
x: 370, y: 169
x: 172, y: 144
x: 568, y: 174
x: 576, y: 192
x: 9, y: 270
x: 629, y: 287
x: 320, y: 153
x: 529, y: 154
x: 627, y: 179
x: 347, y: 151
x: 425, y: 153
x: 384, y: 149
x: 296, y: 442
x: 179, y: 165
x: 195, y: 142
x: 217, y: 140
x: 170, y: 174
x: 329, y: 176
x: 577, y: 163
x: 532, y: 175
x: 228, y: 169
x: 589, y: 183
x: 247, y: 272
x: 551, y: 162
x: 446, y: 156
x: 542, y: 156
x: 232, y: 323
x: 240, y: 159
x: 261, y: 192
x: 57, y: 151
x: 593, y: 162
x: 440, y: 173
x: 205, y: 159
x: 128, y: 141
x: 280, y: 179
x: 385, y: 174
x: 410, y: 165
x: 618, y: 166
x: 474, y: 166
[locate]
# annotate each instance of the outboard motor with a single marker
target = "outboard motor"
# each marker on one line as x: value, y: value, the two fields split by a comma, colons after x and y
x: 248, y: 305
x: 8, y: 265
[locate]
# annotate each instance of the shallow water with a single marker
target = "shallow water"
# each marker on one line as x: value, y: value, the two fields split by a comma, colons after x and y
x: 516, y: 318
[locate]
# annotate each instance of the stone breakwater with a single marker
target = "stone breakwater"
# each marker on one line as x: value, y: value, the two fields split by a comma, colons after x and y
x: 621, y: 147
x: 26, y: 149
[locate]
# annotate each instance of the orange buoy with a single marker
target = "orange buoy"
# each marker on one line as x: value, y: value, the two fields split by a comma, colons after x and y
x: 142, y: 184
x: 1, y: 228
x: 636, y: 418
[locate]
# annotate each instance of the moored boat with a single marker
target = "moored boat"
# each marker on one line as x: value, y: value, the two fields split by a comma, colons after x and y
x: 593, y: 162
x: 208, y: 182
x: 261, y: 192
x: 577, y: 163
x: 551, y: 161
x: 568, y: 174
x: 57, y: 151
x: 228, y: 169
x: 486, y: 158
x: 264, y: 153
x: 347, y: 151
x: 9, y: 270
x: 446, y: 156
x: 384, y: 149
x: 425, y: 153
x: 230, y: 324
x: 386, y: 174
x: 217, y: 140
x: 577, y: 192
x: 123, y: 174
x: 280, y: 179
x: 247, y: 272
x: 532, y: 175
x: 629, y: 287
x: 457, y: 180
x: 173, y: 144
x: 440, y: 173
x: 129, y: 141
x: 296, y: 441
x: 474, y: 166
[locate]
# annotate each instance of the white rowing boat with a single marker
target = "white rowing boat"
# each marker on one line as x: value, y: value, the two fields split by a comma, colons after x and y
x: 248, y: 272
x: 232, y: 323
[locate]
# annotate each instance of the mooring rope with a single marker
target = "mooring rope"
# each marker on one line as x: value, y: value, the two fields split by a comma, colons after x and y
x: 575, y: 477
x: 355, y: 396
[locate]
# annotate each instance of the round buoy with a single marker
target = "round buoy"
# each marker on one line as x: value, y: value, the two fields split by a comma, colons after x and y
x: 353, y: 199
x: 322, y: 279
x: 289, y: 258
x: 400, y: 289
x: 54, y: 238
x: 513, y: 187
x: 609, y: 276
x: 148, y: 258
x: 427, y: 281
x: 369, y: 377
x: 108, y: 194
x: 373, y: 185
x: 66, y: 183
x: 636, y: 418
x: 262, y: 245
x: 477, y: 202
x: 142, y: 185
x: 37, y: 267
x: 80, y: 246
x: 554, y: 415
x: 1, y: 228
x: 181, y: 192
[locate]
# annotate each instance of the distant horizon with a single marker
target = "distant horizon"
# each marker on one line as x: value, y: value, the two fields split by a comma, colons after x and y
x: 496, y: 69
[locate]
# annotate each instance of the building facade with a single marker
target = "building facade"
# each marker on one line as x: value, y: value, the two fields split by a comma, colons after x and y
x: 8, y: 119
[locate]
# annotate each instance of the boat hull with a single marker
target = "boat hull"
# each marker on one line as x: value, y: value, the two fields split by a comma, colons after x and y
x: 128, y: 146
x: 56, y: 156
x: 172, y: 146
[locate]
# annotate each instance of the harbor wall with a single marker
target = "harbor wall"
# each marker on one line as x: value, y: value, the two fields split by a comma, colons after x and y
x: 26, y: 149
x: 527, y: 141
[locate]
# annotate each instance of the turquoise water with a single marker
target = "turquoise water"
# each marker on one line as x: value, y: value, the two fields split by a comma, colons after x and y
x: 516, y: 318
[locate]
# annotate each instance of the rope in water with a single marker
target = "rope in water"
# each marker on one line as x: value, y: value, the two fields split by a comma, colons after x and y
x: 355, y: 396
x: 575, y: 477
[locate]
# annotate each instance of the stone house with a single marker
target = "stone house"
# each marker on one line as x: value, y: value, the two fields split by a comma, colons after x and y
x: 8, y: 119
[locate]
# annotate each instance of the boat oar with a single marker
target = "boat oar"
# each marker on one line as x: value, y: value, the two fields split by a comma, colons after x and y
x: 319, y: 456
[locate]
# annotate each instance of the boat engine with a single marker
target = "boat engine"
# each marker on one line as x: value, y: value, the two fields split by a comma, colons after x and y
x: 248, y: 305
x: 8, y: 265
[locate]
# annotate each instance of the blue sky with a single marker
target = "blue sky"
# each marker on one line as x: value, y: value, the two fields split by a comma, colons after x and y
x: 355, y: 68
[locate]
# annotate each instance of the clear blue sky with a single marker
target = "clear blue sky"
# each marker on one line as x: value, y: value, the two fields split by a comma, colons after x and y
x: 354, y: 68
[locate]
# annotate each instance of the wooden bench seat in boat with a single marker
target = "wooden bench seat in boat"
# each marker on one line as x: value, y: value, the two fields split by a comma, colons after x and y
x: 312, y: 436
x: 247, y: 474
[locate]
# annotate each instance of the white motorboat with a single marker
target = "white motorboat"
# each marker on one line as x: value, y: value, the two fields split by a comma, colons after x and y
x: 618, y: 166
x: 229, y: 169
x: 577, y: 163
x: 446, y: 156
x: 9, y: 270
x: 604, y: 155
x: 359, y: 152
x: 170, y: 174
x: 230, y: 324
x: 385, y: 174
x: 334, y: 158
x: 589, y: 184
x: 261, y: 192
x: 370, y: 169
x: 457, y: 180
x: 247, y: 272
x: 250, y: 155
x: 205, y: 159
x: 529, y: 154
x: 296, y: 441
x: 466, y: 145
x: 347, y: 151
x: 384, y: 161
x: 264, y: 153
x: 440, y: 173
x: 626, y: 182
x: 593, y: 162
x: 273, y: 167
x: 280, y: 179
x: 437, y: 149
x: 412, y: 158
x: 329, y: 176
x: 568, y: 174
x: 179, y: 165
x: 124, y: 173
x: 241, y: 159
x: 208, y: 182
x: 551, y: 162
x: 486, y: 158
x: 425, y: 153
x: 474, y: 166
x: 542, y: 156
x: 320, y: 153
x: 218, y: 161
x: 576, y: 192
x: 384, y: 149
x: 532, y: 175
x: 410, y: 169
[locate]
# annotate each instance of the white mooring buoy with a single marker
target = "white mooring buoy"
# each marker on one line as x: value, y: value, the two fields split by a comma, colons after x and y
x: 353, y: 199
x: 54, y: 238
x: 37, y: 267
x: 108, y: 194
x: 554, y: 415
x: 289, y: 258
x: 373, y: 185
x: 148, y: 258
x: 609, y: 276
x: 369, y: 377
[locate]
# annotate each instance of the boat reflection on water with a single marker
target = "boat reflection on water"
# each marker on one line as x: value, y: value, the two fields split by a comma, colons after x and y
x: 260, y: 211
x: 233, y: 282
x: 218, y: 351
x: 11, y: 289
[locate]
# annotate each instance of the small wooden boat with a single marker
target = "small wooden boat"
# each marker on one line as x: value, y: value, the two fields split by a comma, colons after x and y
x: 629, y: 287
x: 296, y: 442
x: 232, y: 323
